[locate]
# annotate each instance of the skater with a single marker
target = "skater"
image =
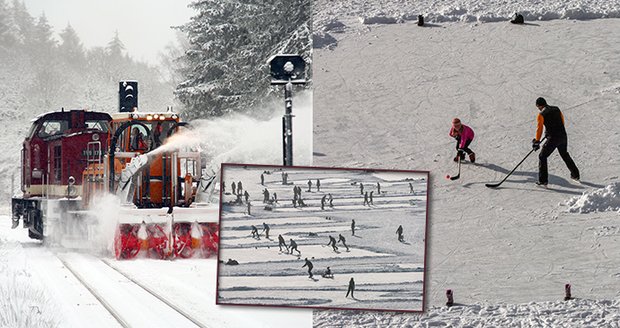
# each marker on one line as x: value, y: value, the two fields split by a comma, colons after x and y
x: 352, y: 227
x: 332, y: 243
x: 255, y: 232
x: 281, y: 243
x: 310, y: 266
x: 262, y: 179
x: 318, y: 185
x: 378, y: 188
x: 327, y: 273
x: 293, y: 246
x: 247, y: 196
x: 234, y: 186
x: 464, y: 135
x: 309, y: 185
x: 370, y: 198
x: 399, y: 231
x: 551, y: 118
x: 344, y: 242
x: 361, y: 188
x: 331, y: 200
x: 266, y: 230
x: 323, y: 201
x: 239, y: 187
x: 351, y: 288
x: 366, y: 198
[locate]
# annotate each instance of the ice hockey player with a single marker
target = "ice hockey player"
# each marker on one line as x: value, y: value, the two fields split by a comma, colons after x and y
x: 344, y: 242
x: 281, y: 243
x: 551, y: 118
x: 255, y: 232
x: 294, y: 246
x: 352, y: 227
x: 464, y: 135
x: 351, y: 288
x: 310, y: 266
x: 328, y: 273
x: 332, y: 243
x: 266, y: 230
x: 399, y: 231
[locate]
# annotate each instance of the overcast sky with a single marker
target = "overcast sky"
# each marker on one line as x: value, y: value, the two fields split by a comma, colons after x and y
x: 143, y: 25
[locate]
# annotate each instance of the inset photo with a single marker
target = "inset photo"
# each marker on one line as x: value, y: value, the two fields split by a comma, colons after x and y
x: 316, y: 237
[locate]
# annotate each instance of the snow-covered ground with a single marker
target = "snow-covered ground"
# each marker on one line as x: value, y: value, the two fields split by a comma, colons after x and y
x: 385, y: 97
x: 388, y: 273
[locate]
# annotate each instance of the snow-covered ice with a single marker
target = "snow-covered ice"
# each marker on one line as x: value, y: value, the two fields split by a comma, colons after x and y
x: 388, y: 273
x: 385, y: 97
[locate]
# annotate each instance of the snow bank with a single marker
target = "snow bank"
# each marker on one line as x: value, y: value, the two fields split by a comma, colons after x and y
x: 598, y: 200
x: 574, y: 313
x: 396, y: 11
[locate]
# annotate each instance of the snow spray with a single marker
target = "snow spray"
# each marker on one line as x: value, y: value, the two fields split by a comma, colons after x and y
x: 239, y: 138
x: 105, y: 210
x: 450, y: 297
x: 567, y: 292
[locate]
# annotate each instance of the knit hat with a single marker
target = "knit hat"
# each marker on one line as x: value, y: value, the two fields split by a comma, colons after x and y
x: 456, y: 121
x: 541, y: 101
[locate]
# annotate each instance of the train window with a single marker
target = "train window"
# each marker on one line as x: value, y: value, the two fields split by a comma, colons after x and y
x: 101, y: 125
x: 50, y: 128
x: 57, y: 164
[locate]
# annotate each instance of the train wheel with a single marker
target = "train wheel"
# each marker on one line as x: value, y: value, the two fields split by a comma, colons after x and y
x: 158, y: 242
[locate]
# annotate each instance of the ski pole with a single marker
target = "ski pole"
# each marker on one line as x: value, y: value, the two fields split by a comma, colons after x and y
x: 495, y: 185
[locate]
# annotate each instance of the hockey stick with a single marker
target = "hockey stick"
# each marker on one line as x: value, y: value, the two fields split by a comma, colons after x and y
x: 458, y: 175
x: 495, y: 185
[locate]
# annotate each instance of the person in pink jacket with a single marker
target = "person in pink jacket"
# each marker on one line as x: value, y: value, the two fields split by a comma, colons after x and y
x: 464, y: 135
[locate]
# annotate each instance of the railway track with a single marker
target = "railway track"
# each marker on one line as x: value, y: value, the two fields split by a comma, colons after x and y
x: 130, y: 302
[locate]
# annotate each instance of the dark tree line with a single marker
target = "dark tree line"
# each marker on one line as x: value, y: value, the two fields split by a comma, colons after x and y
x: 225, y: 68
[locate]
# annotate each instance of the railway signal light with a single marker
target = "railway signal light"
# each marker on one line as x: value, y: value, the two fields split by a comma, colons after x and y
x: 128, y: 96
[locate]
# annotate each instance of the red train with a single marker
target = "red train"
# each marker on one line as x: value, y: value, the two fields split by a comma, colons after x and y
x: 71, y: 158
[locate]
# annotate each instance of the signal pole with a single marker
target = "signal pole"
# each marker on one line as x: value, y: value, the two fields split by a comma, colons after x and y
x: 287, y: 70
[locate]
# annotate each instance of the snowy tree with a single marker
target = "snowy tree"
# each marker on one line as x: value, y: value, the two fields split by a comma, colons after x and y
x: 23, y: 20
x: 230, y: 42
x: 8, y: 30
x: 71, y: 49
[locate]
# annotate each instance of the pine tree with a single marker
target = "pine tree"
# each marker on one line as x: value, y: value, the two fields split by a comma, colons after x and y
x: 71, y: 49
x: 8, y: 30
x: 23, y: 20
x: 230, y: 42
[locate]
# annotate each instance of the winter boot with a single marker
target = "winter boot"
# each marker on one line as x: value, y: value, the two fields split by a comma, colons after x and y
x: 472, y: 157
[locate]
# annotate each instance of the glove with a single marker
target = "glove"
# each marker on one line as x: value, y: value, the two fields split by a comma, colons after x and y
x: 535, y: 144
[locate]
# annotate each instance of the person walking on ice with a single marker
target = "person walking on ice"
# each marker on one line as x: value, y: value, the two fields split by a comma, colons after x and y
x: 309, y: 185
x: 370, y: 198
x: 399, y: 231
x: 234, y: 188
x: 310, y: 266
x: 266, y: 230
x: 293, y: 246
x: 281, y: 243
x: 262, y: 179
x: 361, y: 188
x: 344, y: 242
x: 318, y: 185
x: 332, y: 243
x: 351, y: 288
x: 366, y: 199
x: 247, y: 196
x: 551, y: 119
x: 464, y: 135
x: 352, y: 227
x: 378, y: 188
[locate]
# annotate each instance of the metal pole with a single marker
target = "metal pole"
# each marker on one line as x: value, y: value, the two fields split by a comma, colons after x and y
x: 288, y: 125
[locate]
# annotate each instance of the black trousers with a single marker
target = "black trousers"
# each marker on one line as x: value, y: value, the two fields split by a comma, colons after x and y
x: 466, y: 148
x: 546, y: 151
